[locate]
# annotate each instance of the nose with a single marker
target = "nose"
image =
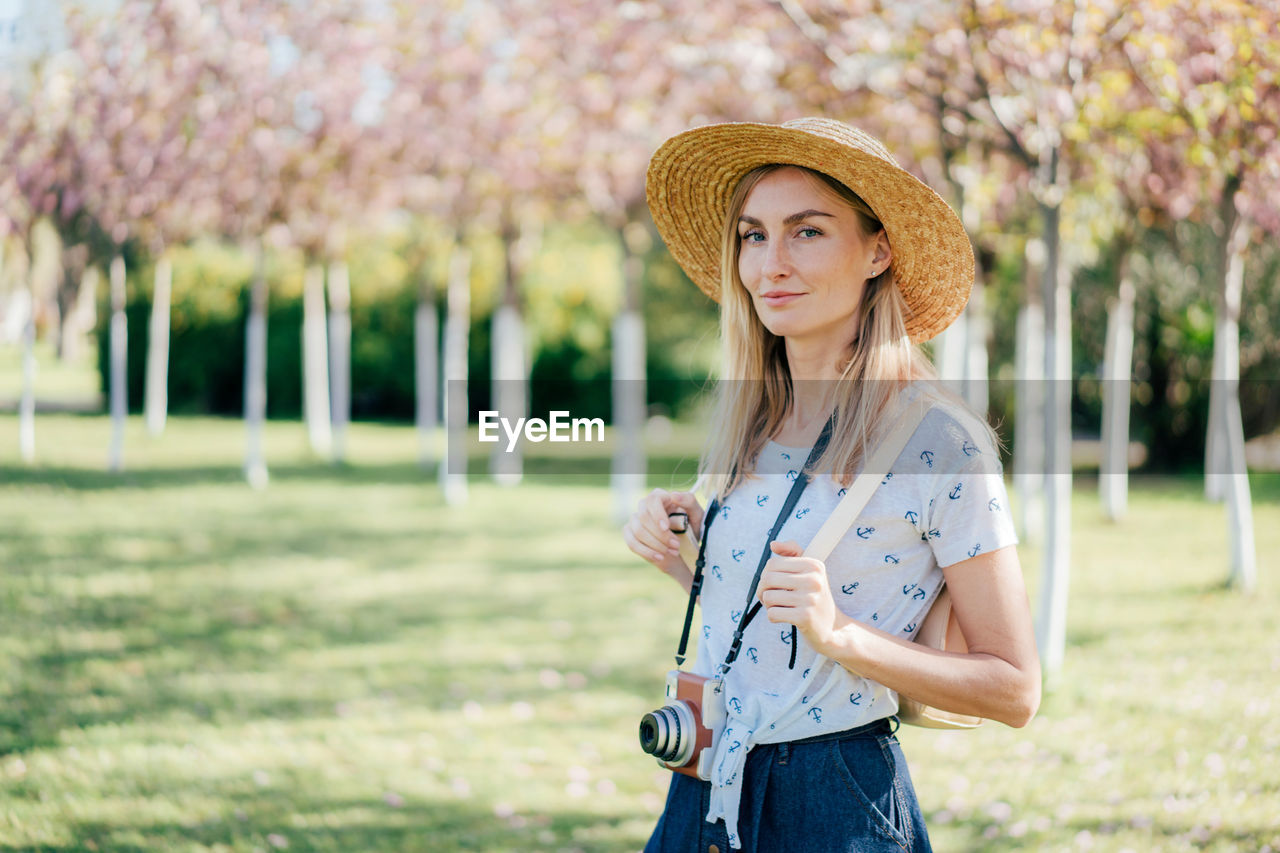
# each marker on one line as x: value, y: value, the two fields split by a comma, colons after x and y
x: 777, y: 263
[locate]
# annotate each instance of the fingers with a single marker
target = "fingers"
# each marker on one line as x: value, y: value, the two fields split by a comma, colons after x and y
x: 687, y: 502
x: 790, y: 548
x: 786, y: 606
x: 653, y: 511
x: 644, y: 545
x: 648, y: 532
x: 787, y: 560
x: 782, y: 598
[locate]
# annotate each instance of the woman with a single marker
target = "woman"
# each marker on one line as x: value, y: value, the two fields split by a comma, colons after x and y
x: 830, y: 264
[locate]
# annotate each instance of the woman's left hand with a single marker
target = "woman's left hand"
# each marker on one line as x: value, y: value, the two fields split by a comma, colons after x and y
x: 794, y: 590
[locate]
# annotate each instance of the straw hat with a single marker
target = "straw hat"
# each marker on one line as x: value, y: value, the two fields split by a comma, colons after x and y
x: 693, y: 175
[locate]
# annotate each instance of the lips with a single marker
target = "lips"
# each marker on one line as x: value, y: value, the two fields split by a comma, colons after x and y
x: 777, y: 298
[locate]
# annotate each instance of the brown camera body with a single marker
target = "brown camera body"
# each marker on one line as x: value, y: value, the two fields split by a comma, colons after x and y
x: 683, y: 734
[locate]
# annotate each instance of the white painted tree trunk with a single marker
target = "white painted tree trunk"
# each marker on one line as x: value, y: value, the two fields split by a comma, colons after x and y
x: 509, y: 348
x: 84, y: 316
x: 27, y: 403
x: 1113, y: 479
x: 961, y: 353
x: 156, y: 402
x: 1028, y: 460
x: 977, y: 391
x: 119, y: 385
x: 426, y: 343
x: 628, y: 413
x: 1215, y: 446
x: 453, y: 473
x: 340, y: 355
x: 629, y: 383
x: 1244, y: 554
x: 510, y: 389
x: 1057, y: 540
x: 255, y: 375
x: 949, y: 353
x: 962, y: 349
x: 1051, y: 627
x: 315, y: 362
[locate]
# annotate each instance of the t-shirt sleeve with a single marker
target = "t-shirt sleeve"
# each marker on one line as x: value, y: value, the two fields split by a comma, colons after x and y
x: 969, y: 509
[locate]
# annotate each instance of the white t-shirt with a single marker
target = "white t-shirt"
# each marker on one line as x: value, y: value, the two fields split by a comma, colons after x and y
x: 943, y: 502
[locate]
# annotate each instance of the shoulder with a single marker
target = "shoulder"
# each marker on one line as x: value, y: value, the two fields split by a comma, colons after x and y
x: 954, y: 435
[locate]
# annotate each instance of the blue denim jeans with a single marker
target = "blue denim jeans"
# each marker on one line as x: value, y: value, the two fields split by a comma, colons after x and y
x: 848, y: 791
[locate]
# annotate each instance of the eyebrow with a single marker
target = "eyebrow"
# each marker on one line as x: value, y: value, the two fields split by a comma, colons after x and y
x: 790, y: 220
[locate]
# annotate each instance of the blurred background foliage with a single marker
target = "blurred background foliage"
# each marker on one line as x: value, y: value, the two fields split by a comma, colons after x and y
x: 572, y: 290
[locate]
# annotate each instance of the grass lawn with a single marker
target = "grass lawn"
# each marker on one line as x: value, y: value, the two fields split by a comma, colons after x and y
x: 341, y: 662
x: 58, y: 383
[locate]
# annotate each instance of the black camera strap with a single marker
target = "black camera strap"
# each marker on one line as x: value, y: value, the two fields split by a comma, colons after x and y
x: 753, y: 606
x: 695, y: 589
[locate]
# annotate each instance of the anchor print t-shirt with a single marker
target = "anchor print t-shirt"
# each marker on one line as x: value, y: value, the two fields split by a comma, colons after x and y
x: 942, y: 502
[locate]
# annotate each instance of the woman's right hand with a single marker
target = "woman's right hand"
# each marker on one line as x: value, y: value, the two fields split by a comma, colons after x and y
x: 648, y: 532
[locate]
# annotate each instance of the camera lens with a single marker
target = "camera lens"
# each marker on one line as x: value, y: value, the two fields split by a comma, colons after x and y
x: 652, y: 733
x: 668, y: 733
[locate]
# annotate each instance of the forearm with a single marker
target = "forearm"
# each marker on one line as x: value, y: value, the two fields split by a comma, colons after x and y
x: 678, y: 570
x: 978, y: 682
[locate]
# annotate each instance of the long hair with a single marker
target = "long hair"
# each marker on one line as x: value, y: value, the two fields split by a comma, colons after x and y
x: 755, y: 391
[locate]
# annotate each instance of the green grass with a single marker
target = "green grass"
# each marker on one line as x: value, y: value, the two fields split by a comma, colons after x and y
x: 342, y: 662
x: 57, y: 382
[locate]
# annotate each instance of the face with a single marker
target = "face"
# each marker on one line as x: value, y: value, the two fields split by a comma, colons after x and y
x: 804, y: 260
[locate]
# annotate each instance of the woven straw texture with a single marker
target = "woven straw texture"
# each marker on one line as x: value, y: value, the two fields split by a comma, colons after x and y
x: 692, y: 176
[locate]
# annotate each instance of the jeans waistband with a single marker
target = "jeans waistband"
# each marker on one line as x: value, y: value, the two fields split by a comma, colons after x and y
x: 884, y: 725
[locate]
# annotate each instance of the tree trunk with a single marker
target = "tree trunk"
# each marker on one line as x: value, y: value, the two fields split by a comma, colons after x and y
x: 83, y: 318
x: 340, y: 355
x: 27, y: 403
x: 1113, y: 479
x: 977, y: 391
x: 629, y: 463
x: 119, y: 386
x: 509, y: 347
x: 1243, y: 549
x: 315, y: 362
x: 1028, y: 460
x: 1215, y: 444
x: 71, y: 325
x: 255, y: 373
x: 1056, y: 563
x: 157, y: 394
x: 963, y: 363
x: 949, y: 353
x: 509, y: 390
x: 426, y: 359
x: 453, y: 473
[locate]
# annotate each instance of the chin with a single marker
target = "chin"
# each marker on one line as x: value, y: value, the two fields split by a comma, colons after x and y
x: 780, y: 325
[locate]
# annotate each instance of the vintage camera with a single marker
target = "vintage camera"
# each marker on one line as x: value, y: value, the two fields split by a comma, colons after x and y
x: 683, y: 733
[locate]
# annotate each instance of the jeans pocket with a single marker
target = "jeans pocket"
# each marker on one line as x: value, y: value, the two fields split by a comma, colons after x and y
x: 869, y: 772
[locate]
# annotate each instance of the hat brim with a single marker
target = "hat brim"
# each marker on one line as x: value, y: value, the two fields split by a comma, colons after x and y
x: 692, y: 176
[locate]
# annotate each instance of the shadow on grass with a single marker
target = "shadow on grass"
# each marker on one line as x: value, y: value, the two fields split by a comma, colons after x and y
x: 182, y: 639
x: 88, y: 480
x: 271, y: 819
x: 551, y: 471
x: 981, y: 833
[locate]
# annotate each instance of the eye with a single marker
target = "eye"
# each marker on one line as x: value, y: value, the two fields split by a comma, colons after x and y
x: 752, y: 235
x: 809, y: 231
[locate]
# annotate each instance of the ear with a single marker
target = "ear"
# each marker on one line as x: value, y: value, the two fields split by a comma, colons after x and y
x: 881, y: 255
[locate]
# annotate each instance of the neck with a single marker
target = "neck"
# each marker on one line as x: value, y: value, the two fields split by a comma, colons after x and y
x: 813, y: 376
x: 810, y: 363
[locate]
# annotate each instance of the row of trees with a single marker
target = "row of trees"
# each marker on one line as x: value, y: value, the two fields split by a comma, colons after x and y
x: 1057, y: 126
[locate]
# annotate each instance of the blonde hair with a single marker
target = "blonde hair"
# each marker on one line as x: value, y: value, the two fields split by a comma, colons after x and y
x: 755, y: 391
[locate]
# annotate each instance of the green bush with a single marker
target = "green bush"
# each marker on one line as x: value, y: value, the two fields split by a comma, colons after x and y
x: 571, y: 292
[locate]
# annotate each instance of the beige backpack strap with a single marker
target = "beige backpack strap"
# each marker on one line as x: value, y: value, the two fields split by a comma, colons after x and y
x: 864, y: 485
